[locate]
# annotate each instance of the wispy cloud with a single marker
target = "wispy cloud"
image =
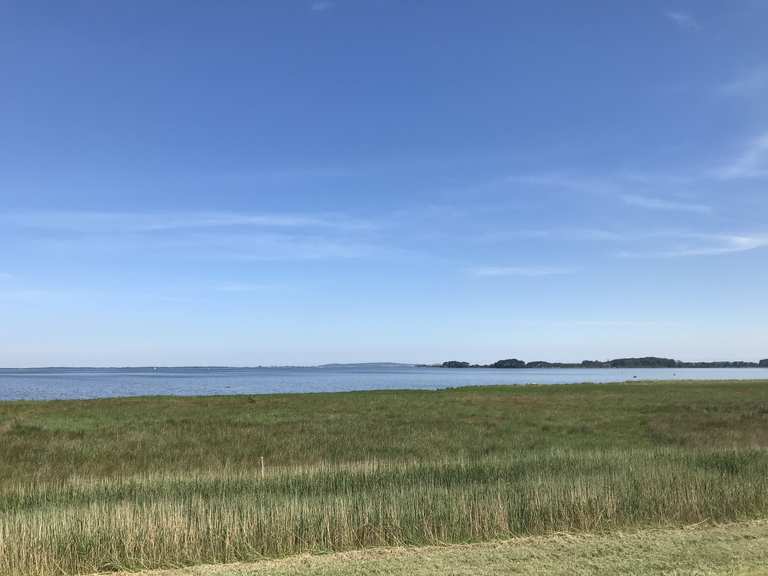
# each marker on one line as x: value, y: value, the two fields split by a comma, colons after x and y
x: 623, y: 323
x: 217, y: 236
x: 559, y: 181
x: 682, y: 19
x: 609, y: 184
x: 655, y: 243
x: 25, y: 295
x: 751, y: 163
x: 175, y: 299
x: 630, y: 189
x: 605, y: 323
x: 703, y: 245
x: 240, y: 287
x: 565, y: 233
x: 748, y: 84
x: 5, y: 276
x: 266, y: 247
x: 322, y: 6
x: 665, y: 205
x: 527, y: 271
x: 148, y: 222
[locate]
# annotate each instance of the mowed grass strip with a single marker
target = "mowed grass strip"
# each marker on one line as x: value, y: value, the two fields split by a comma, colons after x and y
x: 153, y: 482
x: 734, y: 550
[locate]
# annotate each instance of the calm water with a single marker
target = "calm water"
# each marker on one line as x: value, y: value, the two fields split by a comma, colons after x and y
x: 102, y: 383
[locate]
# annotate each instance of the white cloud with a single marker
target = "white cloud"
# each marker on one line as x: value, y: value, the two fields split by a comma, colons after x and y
x: 586, y: 234
x: 752, y: 163
x: 208, y: 236
x: 236, y: 287
x: 665, y: 205
x: 149, y: 222
x: 527, y: 271
x: 666, y: 243
x: 704, y: 245
x: 322, y: 6
x: 682, y: 19
x: 175, y: 299
x: 276, y: 247
x: 560, y: 181
x: 609, y: 323
x: 25, y: 295
x: 629, y: 188
x: 5, y: 276
x: 748, y: 84
x: 610, y: 184
x: 624, y: 323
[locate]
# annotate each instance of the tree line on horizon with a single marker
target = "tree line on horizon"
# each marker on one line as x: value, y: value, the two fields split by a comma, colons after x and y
x: 644, y: 362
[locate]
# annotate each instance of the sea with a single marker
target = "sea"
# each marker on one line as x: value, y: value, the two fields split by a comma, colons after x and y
x: 81, y: 383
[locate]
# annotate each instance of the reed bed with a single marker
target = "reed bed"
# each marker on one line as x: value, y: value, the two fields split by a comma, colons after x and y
x: 82, y: 526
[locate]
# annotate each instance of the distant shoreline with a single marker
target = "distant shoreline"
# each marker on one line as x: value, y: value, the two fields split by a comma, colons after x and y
x: 639, y: 362
x: 513, y: 363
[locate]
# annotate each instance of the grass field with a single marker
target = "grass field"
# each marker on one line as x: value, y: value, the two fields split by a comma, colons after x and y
x: 102, y: 485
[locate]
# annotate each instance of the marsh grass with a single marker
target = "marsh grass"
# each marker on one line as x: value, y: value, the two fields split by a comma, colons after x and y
x: 110, y: 501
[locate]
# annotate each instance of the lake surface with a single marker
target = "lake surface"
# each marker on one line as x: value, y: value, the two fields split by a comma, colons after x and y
x: 54, y: 383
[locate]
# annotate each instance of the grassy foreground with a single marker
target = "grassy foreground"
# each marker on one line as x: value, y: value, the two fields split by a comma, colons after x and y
x: 735, y: 549
x: 103, y: 485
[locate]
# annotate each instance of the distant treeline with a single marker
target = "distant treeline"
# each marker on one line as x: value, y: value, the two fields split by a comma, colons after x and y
x: 645, y: 362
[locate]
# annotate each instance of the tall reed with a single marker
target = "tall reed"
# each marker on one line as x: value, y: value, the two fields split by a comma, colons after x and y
x: 84, y: 525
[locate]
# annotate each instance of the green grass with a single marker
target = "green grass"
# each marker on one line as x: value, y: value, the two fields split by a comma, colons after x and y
x: 151, y: 482
x: 733, y: 549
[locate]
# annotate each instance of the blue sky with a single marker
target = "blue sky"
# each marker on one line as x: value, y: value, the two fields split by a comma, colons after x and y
x: 302, y: 182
